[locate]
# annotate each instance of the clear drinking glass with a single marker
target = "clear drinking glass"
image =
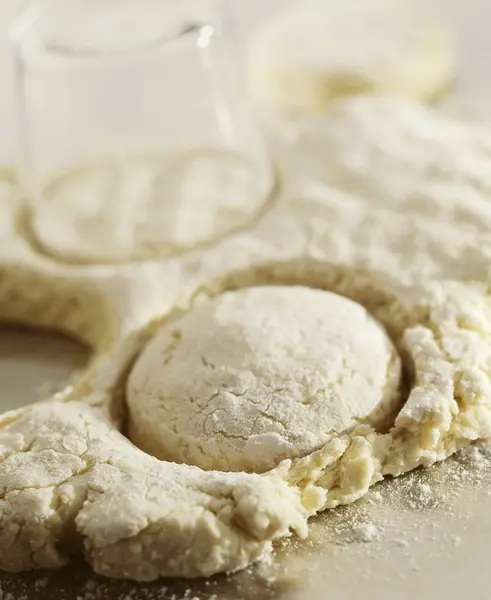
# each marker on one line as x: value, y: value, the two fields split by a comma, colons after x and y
x: 138, y: 138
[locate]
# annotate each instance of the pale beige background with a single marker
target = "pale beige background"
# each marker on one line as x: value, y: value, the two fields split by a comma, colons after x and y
x: 470, y: 18
x: 428, y: 554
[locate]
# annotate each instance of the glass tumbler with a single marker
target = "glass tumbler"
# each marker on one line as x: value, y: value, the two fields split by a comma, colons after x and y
x: 138, y: 138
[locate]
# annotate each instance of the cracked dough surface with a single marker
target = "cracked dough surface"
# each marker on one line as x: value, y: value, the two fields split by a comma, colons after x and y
x: 260, y: 375
x: 310, y: 55
x: 71, y: 481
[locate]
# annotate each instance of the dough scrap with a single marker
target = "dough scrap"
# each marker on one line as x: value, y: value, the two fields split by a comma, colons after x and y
x: 260, y: 375
x: 309, y: 55
x: 67, y: 475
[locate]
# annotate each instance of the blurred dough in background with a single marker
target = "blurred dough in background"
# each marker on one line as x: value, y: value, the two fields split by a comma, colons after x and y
x: 313, y: 52
x: 398, y: 154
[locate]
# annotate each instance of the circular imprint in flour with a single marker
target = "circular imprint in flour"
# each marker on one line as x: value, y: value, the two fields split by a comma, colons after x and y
x: 136, y: 207
x: 259, y: 375
x: 309, y: 55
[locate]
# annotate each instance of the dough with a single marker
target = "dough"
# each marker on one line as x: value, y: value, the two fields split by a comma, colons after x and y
x: 259, y: 375
x: 309, y: 55
x: 149, y: 205
x: 71, y: 480
x: 64, y: 466
x: 407, y: 157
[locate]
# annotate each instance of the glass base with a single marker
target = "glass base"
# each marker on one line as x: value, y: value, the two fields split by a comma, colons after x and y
x: 121, y: 208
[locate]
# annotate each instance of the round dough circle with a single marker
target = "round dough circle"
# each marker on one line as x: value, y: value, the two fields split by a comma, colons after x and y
x: 136, y: 207
x: 259, y: 375
x: 309, y: 55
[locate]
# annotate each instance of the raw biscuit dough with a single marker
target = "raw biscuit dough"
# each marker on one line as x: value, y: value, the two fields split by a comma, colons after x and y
x: 310, y: 54
x: 69, y: 479
x: 260, y: 375
x: 399, y: 154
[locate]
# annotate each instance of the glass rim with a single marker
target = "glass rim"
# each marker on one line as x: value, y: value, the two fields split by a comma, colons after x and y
x: 23, y: 33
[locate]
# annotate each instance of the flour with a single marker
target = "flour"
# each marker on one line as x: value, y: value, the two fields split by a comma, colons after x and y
x: 475, y: 458
x: 366, y: 532
x: 422, y: 495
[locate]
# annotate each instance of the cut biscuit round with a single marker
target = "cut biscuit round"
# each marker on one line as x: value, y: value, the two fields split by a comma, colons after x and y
x: 309, y: 55
x: 259, y: 375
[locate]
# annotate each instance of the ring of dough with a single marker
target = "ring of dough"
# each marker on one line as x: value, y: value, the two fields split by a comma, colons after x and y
x: 149, y: 205
x: 71, y: 481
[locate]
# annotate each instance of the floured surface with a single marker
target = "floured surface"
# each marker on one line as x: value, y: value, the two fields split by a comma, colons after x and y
x: 432, y: 530
x: 52, y: 362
